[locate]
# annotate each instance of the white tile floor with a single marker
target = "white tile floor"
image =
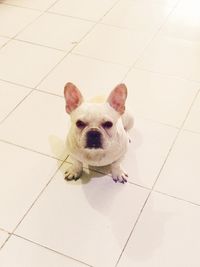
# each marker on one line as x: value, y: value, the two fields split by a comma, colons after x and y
x: 151, y: 45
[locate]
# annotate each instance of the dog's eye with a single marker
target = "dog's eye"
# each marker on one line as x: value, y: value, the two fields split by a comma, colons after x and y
x: 80, y: 124
x: 107, y: 124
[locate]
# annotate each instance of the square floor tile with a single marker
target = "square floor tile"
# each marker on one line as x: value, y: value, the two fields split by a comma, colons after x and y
x: 150, y: 144
x: 36, y: 4
x: 25, y: 63
x: 167, y: 234
x: 143, y: 16
x: 56, y: 31
x: 39, y: 123
x: 180, y: 176
x: 157, y: 97
x: 183, y: 23
x: 10, y: 96
x: 192, y: 123
x: 88, y: 215
x: 89, y: 9
x: 114, y: 44
x: 20, y: 253
x: 23, y: 175
x: 3, y: 237
x: 172, y: 56
x: 92, y: 77
x: 13, y: 19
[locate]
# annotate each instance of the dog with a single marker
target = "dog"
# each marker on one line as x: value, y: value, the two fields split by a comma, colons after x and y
x: 98, y: 135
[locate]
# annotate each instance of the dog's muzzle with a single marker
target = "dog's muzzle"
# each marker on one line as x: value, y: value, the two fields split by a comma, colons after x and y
x: 93, y: 139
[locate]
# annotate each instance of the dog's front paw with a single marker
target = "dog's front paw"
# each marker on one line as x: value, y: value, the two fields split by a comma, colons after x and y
x: 119, y: 175
x: 73, y: 173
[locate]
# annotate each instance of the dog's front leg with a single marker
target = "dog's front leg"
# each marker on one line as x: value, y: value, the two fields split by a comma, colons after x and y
x: 118, y: 173
x: 74, y: 171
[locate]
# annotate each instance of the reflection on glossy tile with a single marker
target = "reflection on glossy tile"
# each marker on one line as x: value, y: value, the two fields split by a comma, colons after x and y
x: 23, y: 176
x: 167, y: 234
x: 89, y: 9
x: 172, y: 56
x: 192, y: 123
x: 117, y: 45
x: 131, y: 14
x: 88, y: 214
x: 10, y: 96
x: 13, y: 19
x: 25, y: 63
x: 157, y: 97
x: 183, y: 24
x: 56, y: 31
x: 39, y: 123
x: 189, y: 4
x: 92, y: 77
x: 20, y: 253
x: 180, y: 176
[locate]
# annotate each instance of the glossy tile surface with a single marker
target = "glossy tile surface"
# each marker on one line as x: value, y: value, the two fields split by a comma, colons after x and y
x: 167, y: 234
x: 22, y: 179
x: 39, y: 123
x: 153, y: 47
x: 82, y: 218
x: 118, y: 45
x: 21, y: 253
x: 56, y: 31
x: 176, y: 180
x: 25, y: 63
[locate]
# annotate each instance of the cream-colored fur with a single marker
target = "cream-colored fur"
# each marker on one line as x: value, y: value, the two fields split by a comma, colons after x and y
x: 113, y: 140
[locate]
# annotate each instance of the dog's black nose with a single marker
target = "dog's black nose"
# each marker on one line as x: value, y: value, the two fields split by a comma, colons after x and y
x: 93, y: 139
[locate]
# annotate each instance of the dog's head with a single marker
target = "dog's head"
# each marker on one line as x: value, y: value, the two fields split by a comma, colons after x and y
x: 94, y: 125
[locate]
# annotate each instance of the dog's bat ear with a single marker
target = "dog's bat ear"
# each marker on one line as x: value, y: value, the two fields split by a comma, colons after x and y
x: 117, y: 98
x: 73, y: 97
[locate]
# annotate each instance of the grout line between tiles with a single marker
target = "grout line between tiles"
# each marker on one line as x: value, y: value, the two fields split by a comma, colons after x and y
x: 108, y: 174
x: 152, y: 190
x: 38, y: 44
x: 90, y: 30
x: 69, y: 16
x: 153, y: 37
x: 101, y: 60
x: 191, y: 131
x: 138, y: 218
x: 25, y: 7
x: 39, y: 195
x: 177, y: 198
x: 55, y: 251
x: 31, y: 150
x: 33, y: 203
x: 22, y: 100
x: 176, y: 137
x: 167, y: 75
x: 3, y: 230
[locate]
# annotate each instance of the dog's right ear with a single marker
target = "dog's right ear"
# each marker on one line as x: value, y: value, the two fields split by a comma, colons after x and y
x: 73, y: 97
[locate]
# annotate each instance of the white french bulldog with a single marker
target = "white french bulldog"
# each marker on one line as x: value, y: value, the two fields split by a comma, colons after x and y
x: 98, y: 134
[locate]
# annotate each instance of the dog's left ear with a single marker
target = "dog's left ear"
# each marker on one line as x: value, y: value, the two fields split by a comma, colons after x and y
x: 117, y: 98
x: 73, y: 97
